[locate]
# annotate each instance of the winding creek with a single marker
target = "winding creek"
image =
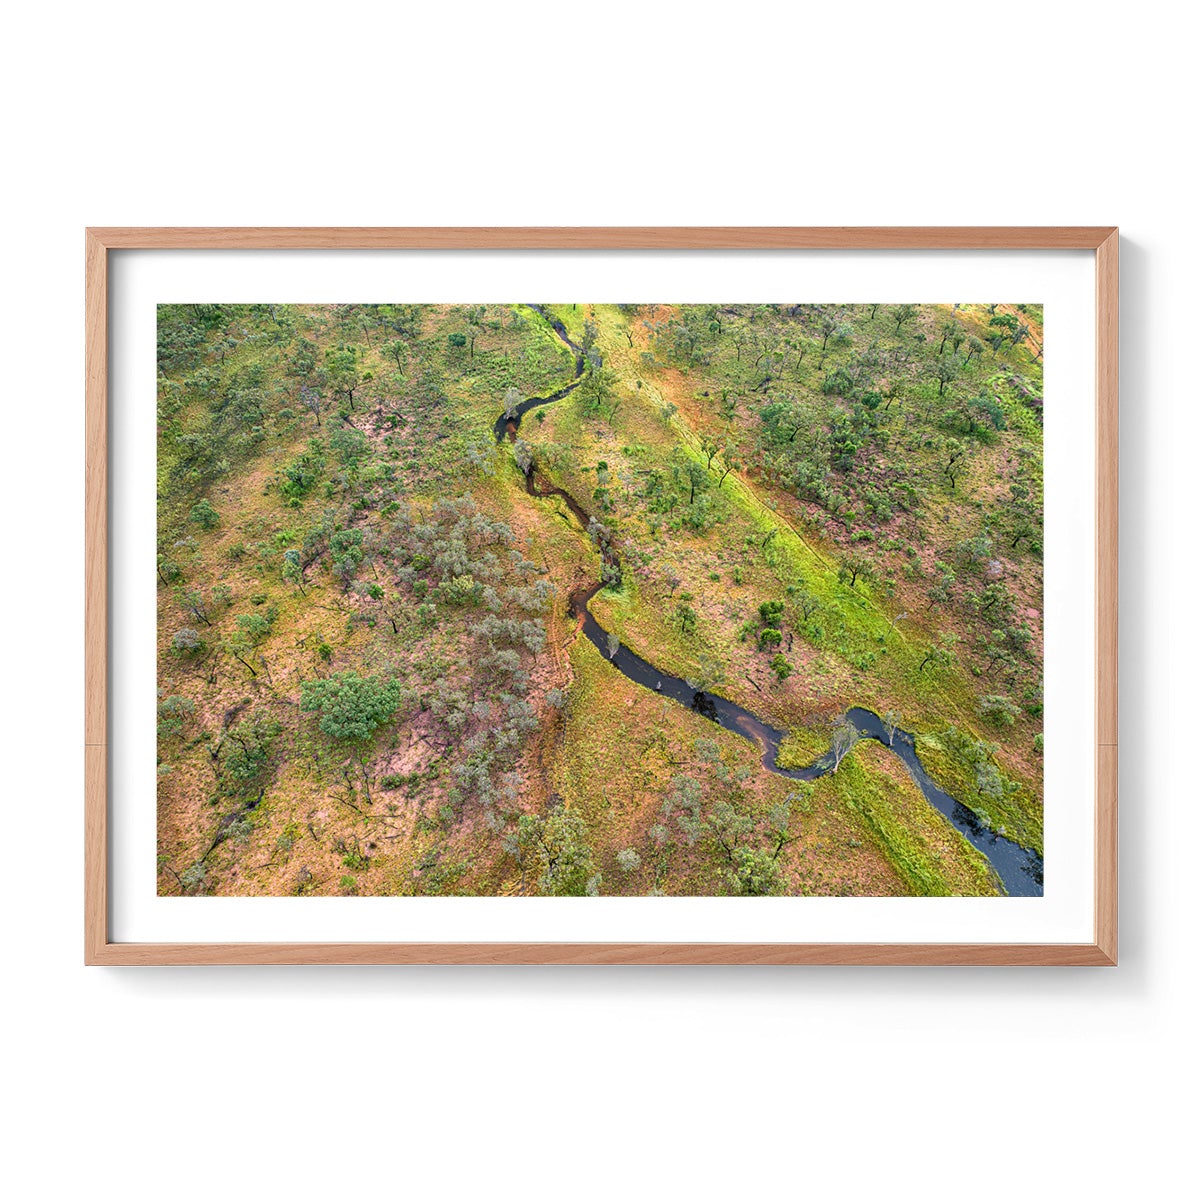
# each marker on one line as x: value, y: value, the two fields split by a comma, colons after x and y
x: 1019, y: 869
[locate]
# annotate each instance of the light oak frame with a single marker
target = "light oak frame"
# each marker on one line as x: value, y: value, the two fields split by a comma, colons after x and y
x: 98, y: 949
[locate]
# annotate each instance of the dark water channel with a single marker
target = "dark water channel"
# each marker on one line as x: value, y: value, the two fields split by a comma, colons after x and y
x: 1019, y: 869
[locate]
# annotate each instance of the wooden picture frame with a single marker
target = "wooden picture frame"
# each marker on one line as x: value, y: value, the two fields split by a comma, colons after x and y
x: 1102, y: 241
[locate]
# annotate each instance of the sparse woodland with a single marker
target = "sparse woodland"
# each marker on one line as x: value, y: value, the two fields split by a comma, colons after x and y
x: 371, y: 679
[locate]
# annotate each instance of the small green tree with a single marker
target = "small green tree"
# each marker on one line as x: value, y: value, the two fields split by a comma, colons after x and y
x: 769, y: 639
x: 195, y: 604
x: 248, y: 746
x: 255, y: 626
x: 853, y: 569
x: 708, y: 674
x: 628, y: 860
x: 890, y: 722
x: 754, y: 872
x: 941, y: 591
x: 946, y: 370
x: 955, y: 453
x: 311, y: 399
x: 168, y: 571
x: 187, y: 642
x: 731, y: 464
x: 397, y: 349
x: 352, y: 707
x: 999, y: 710
x: 241, y: 646
x: 685, y: 614
x: 560, y: 851
x: 349, y: 444
x: 806, y: 603
x: 940, y: 655
x: 770, y: 612
x: 204, y: 515
x: 293, y: 569
x: 695, y: 477
x: 902, y: 314
x: 838, y: 382
x: 173, y: 714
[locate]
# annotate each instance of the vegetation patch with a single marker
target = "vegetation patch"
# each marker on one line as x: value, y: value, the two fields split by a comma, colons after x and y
x: 378, y: 524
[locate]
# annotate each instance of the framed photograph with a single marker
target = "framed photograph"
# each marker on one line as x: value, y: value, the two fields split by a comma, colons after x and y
x: 659, y: 595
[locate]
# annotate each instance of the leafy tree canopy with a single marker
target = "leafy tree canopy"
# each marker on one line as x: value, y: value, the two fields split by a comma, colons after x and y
x: 352, y: 707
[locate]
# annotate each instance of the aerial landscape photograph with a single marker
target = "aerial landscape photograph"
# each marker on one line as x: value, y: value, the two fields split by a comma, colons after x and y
x: 609, y: 600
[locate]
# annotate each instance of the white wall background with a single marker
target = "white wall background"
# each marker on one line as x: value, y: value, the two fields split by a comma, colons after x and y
x: 590, y: 1081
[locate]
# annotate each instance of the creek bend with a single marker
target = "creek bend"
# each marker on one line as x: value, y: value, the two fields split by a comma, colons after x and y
x: 1019, y: 869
